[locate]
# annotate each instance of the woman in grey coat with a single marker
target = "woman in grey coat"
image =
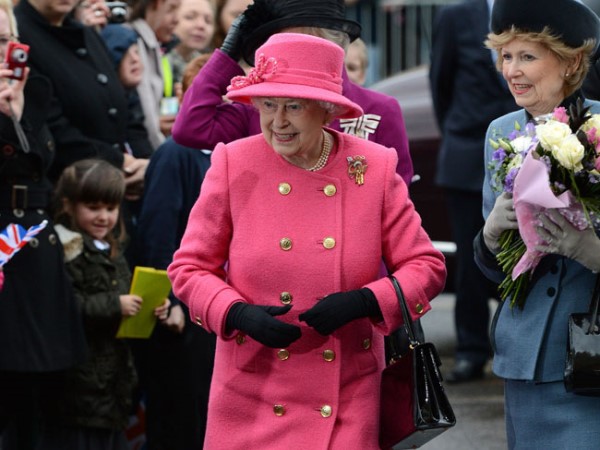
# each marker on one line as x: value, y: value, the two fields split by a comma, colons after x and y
x: 544, y: 48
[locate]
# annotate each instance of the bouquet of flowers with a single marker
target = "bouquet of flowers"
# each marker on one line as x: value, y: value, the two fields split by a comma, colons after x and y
x: 554, y: 163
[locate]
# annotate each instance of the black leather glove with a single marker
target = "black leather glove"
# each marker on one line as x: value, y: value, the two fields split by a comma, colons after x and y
x: 232, y: 45
x: 257, y: 322
x: 340, y: 308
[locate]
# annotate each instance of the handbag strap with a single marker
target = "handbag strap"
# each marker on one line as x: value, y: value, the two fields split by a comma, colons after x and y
x: 408, y: 324
x: 594, y: 306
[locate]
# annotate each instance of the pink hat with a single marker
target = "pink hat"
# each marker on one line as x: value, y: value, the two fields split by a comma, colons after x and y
x: 293, y: 65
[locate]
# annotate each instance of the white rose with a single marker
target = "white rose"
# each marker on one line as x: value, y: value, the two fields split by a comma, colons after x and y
x: 516, y: 162
x: 552, y: 133
x: 521, y: 144
x: 592, y: 122
x: 570, y: 153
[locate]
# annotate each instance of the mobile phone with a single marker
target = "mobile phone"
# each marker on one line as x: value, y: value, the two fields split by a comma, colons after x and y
x: 169, y: 106
x: 16, y: 59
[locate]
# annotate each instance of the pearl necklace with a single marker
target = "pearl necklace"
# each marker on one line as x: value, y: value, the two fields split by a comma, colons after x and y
x: 325, y: 151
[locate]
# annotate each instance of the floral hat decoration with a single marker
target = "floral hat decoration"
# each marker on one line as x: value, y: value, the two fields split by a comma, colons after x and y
x: 293, y: 65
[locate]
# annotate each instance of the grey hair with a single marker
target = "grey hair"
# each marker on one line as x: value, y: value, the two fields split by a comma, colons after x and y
x: 340, y: 38
x: 331, y: 108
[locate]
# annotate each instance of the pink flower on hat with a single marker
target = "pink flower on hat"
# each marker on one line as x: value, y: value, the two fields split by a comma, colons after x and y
x: 264, y: 69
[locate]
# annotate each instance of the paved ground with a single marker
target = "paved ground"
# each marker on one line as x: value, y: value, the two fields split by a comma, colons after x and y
x: 478, y: 405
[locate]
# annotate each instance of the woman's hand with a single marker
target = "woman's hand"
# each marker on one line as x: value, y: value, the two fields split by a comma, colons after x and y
x: 562, y: 238
x: 130, y: 304
x: 135, y: 170
x: 502, y: 218
x: 93, y: 13
x: 12, y: 91
x: 338, y: 309
x: 258, y: 322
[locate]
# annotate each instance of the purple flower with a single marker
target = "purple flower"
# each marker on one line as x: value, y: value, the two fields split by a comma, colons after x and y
x: 509, y: 181
x: 499, y: 155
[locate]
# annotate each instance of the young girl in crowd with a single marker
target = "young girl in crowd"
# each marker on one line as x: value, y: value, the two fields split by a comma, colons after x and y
x: 92, y: 408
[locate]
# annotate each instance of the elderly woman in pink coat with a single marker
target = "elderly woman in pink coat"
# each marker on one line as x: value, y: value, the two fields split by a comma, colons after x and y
x: 281, y: 260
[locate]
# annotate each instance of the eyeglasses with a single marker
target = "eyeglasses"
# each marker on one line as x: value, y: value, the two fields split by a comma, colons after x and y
x: 291, y: 107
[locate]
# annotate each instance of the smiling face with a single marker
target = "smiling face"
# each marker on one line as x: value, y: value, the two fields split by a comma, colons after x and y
x: 535, y: 76
x: 196, y: 24
x: 96, y: 219
x: 293, y: 127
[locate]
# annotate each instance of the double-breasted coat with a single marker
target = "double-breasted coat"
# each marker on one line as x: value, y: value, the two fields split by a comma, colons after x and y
x: 290, y: 236
x: 89, y: 115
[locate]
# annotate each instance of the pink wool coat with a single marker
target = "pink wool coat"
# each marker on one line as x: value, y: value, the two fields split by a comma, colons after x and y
x: 322, y: 392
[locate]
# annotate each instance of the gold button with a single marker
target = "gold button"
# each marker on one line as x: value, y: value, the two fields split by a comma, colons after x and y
x: 52, y: 239
x: 240, y: 339
x: 279, y: 410
x: 366, y: 343
x: 114, y: 282
x: 326, y: 411
x: 285, y: 298
x: 329, y: 243
x: 284, y: 188
x: 330, y: 190
x: 198, y: 320
x: 283, y: 354
x: 285, y: 244
x: 328, y: 355
x: 419, y: 308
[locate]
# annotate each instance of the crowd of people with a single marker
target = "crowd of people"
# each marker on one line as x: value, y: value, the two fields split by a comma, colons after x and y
x: 233, y: 144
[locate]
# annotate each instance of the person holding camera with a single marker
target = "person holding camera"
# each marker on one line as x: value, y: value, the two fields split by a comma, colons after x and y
x: 41, y: 332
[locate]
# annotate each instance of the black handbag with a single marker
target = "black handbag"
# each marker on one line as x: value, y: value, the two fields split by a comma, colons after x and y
x: 582, y: 372
x: 414, y: 406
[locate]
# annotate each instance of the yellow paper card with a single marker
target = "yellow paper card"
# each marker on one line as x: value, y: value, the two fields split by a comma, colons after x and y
x: 153, y: 286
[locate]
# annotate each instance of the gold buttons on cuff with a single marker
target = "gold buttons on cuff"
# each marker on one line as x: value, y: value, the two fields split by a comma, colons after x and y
x: 198, y: 320
x: 419, y: 308
x: 329, y: 243
x: 284, y: 188
x: 326, y: 411
x: 285, y: 298
x: 330, y: 190
x: 285, y: 244
x: 240, y: 339
x: 279, y: 410
x: 283, y: 354
x: 328, y: 355
x: 366, y: 344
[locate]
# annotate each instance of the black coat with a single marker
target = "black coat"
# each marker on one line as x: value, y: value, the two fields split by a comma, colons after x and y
x: 467, y: 91
x: 40, y: 325
x: 89, y: 112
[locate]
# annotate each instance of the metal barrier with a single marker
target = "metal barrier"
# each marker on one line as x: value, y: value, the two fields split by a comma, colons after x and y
x: 397, y: 33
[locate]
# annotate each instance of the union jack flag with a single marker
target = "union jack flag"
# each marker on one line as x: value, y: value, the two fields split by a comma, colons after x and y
x: 14, y: 237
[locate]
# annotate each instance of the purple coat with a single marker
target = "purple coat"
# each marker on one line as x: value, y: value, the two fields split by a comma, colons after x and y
x: 322, y: 392
x: 205, y: 120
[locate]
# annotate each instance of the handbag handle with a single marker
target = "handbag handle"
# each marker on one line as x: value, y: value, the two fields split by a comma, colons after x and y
x: 594, y: 306
x: 408, y: 324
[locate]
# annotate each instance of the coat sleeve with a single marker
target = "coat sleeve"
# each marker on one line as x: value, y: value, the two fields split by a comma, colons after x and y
x: 205, y: 119
x: 409, y: 255
x: 197, y: 272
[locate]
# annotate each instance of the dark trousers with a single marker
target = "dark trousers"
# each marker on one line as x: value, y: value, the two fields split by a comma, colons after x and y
x: 473, y: 290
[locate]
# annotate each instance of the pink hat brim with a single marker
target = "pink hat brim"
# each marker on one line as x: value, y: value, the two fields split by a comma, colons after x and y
x: 282, y: 90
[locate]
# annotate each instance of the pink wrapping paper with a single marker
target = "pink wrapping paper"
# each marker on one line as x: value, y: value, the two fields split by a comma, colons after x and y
x: 532, y: 195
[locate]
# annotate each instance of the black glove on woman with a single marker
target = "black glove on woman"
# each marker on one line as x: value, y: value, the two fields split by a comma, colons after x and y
x: 232, y: 44
x: 257, y: 322
x: 340, y: 308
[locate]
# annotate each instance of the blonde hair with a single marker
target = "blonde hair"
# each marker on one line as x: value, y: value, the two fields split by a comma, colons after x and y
x: 7, y: 6
x: 562, y: 51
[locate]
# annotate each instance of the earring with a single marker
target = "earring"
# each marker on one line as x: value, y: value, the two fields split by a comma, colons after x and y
x: 567, y: 75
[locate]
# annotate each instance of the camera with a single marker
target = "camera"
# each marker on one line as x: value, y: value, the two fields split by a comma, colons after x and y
x: 16, y: 59
x: 118, y: 12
